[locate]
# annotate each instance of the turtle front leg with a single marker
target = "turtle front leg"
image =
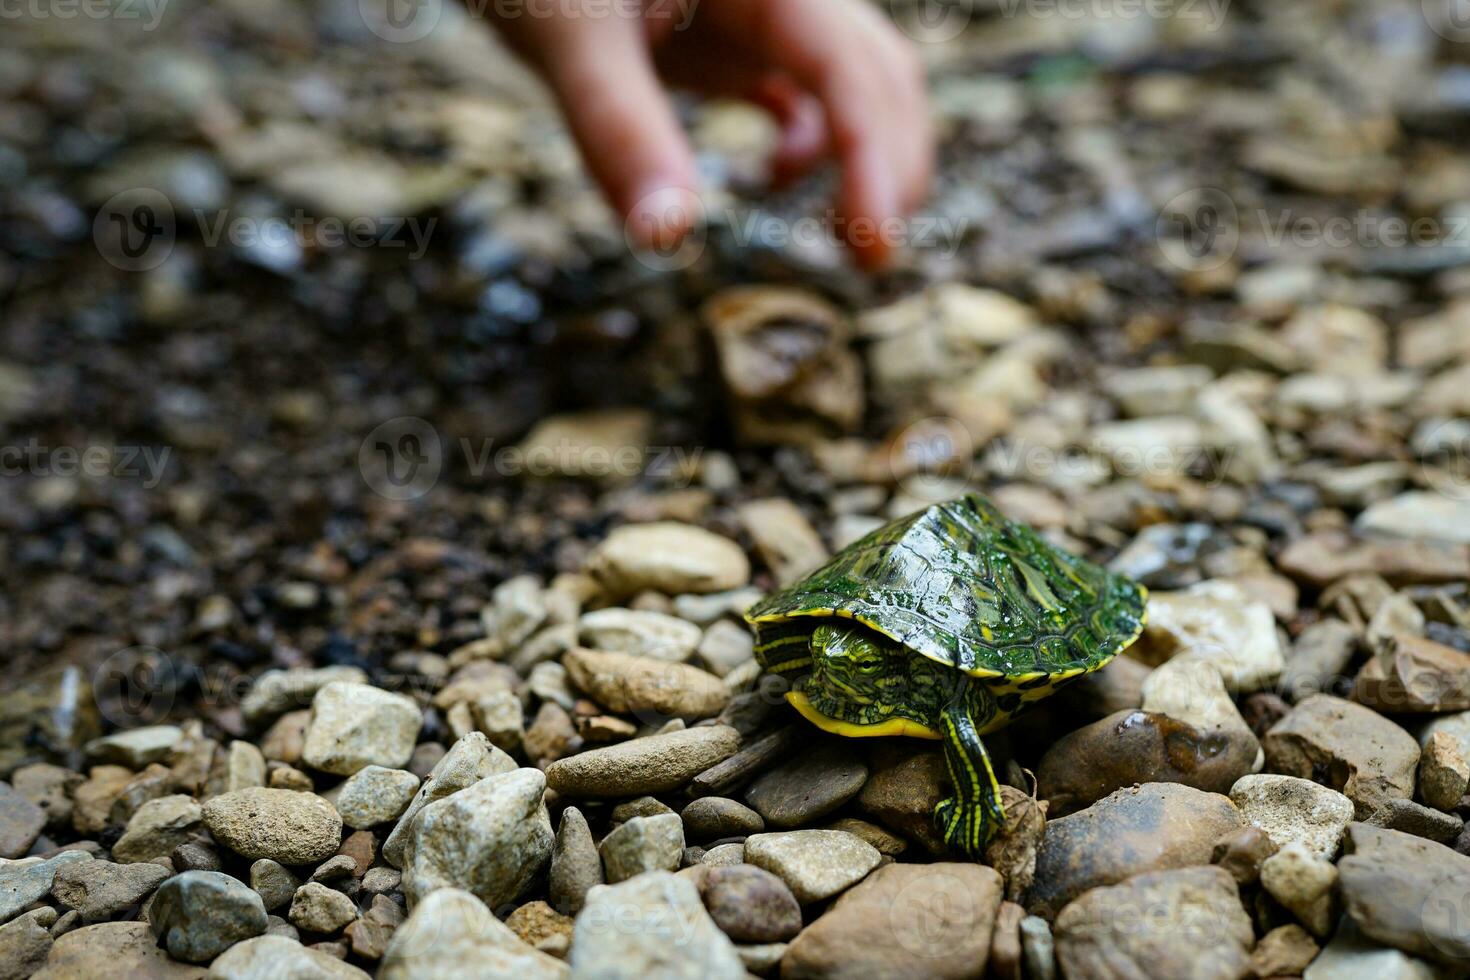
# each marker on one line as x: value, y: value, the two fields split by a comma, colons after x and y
x: 969, y: 818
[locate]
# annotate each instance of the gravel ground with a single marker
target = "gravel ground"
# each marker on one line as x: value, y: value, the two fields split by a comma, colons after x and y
x: 374, y: 606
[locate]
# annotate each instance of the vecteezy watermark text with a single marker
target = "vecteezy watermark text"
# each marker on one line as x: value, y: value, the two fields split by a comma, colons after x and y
x: 407, y: 21
x: 149, y: 11
x: 402, y: 459
x: 34, y: 458
x: 136, y: 230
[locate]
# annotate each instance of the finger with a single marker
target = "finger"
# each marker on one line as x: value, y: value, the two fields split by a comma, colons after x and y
x: 626, y: 128
x: 841, y: 52
x: 804, y: 139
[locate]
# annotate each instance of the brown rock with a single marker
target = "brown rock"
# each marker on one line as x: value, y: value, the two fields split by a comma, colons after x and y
x: 1242, y: 852
x: 1324, y: 557
x: 1410, y: 674
x: 750, y: 905
x: 810, y: 785
x: 1195, y: 927
x: 114, y: 949
x: 1346, y: 746
x: 1406, y: 892
x: 645, y: 687
x: 902, y: 797
x: 1283, y: 952
x: 21, y: 822
x: 1132, y: 747
x: 1005, y: 943
x: 92, y: 801
x: 931, y: 920
x: 1148, y: 828
x: 656, y: 764
x: 1444, y: 774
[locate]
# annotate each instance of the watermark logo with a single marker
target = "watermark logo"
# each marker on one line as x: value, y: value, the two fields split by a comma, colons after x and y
x: 134, y: 686
x: 401, y: 459
x: 401, y: 21
x: 928, y: 456
x: 1198, y: 230
x: 931, y: 21
x: 646, y: 230
x: 135, y: 229
x: 934, y: 913
x: 1445, y: 457
x: 1450, y: 19
x: 1444, y: 916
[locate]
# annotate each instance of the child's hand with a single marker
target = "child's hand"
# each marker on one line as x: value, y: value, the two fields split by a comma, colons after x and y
x: 840, y: 80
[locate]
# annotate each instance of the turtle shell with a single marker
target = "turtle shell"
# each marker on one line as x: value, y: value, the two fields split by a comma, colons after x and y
x: 963, y: 585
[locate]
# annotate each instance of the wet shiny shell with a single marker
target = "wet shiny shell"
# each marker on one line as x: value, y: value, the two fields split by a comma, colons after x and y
x: 963, y: 585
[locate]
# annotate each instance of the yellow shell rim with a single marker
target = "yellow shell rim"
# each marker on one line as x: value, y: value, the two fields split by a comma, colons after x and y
x: 893, y: 726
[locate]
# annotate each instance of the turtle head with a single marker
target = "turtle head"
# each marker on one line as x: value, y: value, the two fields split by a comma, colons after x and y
x: 856, y: 668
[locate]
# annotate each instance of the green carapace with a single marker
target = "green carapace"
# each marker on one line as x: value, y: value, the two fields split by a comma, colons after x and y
x: 944, y: 624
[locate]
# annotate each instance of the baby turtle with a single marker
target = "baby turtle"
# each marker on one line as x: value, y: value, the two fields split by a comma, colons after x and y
x: 944, y: 624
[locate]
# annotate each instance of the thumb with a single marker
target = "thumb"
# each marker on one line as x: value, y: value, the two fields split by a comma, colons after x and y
x: 626, y: 127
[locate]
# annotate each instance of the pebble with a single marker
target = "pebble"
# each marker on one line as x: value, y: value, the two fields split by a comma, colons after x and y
x: 1419, y: 820
x: 1196, y: 927
x: 274, y: 957
x: 114, y: 949
x: 1190, y: 690
x: 1038, y: 948
x: 21, y: 822
x: 809, y: 786
x: 1242, y: 853
x: 469, y: 760
x: 317, y: 908
x: 25, y: 943
x: 902, y: 797
x: 1410, y: 674
x: 1283, y: 952
x: 762, y: 959
x: 156, y: 829
x: 29, y: 880
x: 1361, y: 753
x: 725, y: 647
x: 576, y: 864
x: 381, y: 880
x: 1318, y: 659
x: 1444, y: 774
x: 783, y: 537
x: 1153, y: 827
x: 491, y: 839
x: 815, y: 864
x: 354, y: 725
x: 650, y: 689
x: 667, y: 557
x: 1215, y: 622
x: 711, y: 818
x: 1005, y: 942
x: 92, y: 800
x: 100, y: 889
x: 279, y: 824
x: 641, y: 633
x: 931, y: 920
x: 652, y: 843
x: 375, y: 795
x: 1325, y: 557
x: 244, y: 766
x: 543, y: 927
x: 1406, y: 892
x: 653, y: 925
x: 199, y: 914
x: 452, y: 934
x: 50, y: 788
x: 656, y: 764
x: 1419, y: 514
x: 284, y: 740
x: 517, y: 608
x: 1303, y: 883
x: 1294, y: 810
x: 137, y: 747
x: 273, y: 883
x: 277, y: 692
x: 750, y: 905
x: 1131, y: 747
x: 1352, y: 956
x: 724, y: 855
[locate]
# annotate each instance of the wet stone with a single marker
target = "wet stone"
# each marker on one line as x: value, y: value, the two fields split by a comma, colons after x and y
x: 809, y: 786
x: 714, y: 817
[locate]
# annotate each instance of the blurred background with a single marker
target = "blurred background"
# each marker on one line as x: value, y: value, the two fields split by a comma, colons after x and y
x: 282, y: 280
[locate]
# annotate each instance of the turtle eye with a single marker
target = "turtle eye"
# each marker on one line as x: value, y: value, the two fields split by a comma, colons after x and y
x: 869, y: 665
